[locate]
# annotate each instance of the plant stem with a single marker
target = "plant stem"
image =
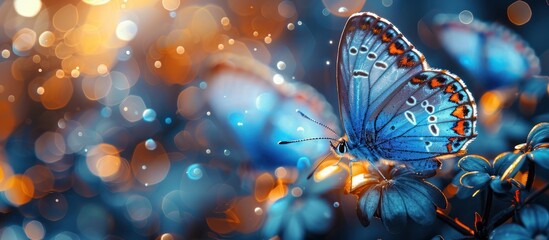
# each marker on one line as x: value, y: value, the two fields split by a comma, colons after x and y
x: 531, y: 173
x: 508, y: 213
x: 454, y: 223
x: 487, y: 206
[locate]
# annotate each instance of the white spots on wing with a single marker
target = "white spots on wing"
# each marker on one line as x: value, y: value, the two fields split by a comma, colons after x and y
x: 363, y: 49
x: 433, y: 128
x: 360, y: 73
x: 430, y: 109
x: 428, y: 145
x: 372, y: 56
x: 353, y: 51
x: 381, y: 64
x: 432, y: 119
x: 411, y: 101
x: 411, y: 117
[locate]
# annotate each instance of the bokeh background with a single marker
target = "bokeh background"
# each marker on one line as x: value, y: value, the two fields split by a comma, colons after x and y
x: 150, y: 119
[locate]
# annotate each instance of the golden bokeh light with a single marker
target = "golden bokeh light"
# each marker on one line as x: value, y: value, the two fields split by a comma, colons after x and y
x: 150, y: 166
x: 19, y: 190
x: 519, y: 12
x: 65, y: 18
x: 27, y: 8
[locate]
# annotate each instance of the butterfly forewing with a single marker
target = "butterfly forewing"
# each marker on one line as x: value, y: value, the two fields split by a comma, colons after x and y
x: 392, y: 103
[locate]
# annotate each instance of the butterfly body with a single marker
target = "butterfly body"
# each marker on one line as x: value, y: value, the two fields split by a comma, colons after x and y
x: 392, y: 104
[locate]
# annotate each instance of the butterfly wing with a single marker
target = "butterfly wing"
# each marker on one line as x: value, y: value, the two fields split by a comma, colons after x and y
x: 494, y: 55
x: 432, y: 115
x: 374, y: 60
x: 392, y: 103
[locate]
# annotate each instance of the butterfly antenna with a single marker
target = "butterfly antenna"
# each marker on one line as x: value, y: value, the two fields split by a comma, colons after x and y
x: 318, y: 165
x: 306, y: 139
x: 315, y: 121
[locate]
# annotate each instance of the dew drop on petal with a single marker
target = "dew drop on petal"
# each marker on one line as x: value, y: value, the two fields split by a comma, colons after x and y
x: 149, y: 115
x: 150, y: 144
x: 194, y: 171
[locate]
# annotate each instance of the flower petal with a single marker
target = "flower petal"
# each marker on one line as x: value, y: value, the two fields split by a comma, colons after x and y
x: 393, y: 211
x: 513, y: 168
x: 427, y: 189
x: 535, y: 218
x: 336, y: 179
x: 368, y: 203
x: 538, y: 134
x: 503, y: 161
x: 276, y: 216
x: 500, y: 186
x: 474, y: 180
x: 418, y: 206
x: 541, y: 157
x: 294, y: 229
x: 316, y: 214
x: 510, y: 231
x: 475, y: 163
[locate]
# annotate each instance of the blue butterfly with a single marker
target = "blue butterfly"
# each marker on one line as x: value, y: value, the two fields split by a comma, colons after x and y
x: 392, y: 104
x: 493, y: 55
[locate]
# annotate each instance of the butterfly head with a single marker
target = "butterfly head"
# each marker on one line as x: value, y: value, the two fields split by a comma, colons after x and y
x: 341, y: 147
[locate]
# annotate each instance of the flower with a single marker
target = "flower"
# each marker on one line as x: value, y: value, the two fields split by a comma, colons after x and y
x: 536, y: 147
x: 479, y: 173
x: 534, y: 221
x: 401, y: 195
x: 303, y: 210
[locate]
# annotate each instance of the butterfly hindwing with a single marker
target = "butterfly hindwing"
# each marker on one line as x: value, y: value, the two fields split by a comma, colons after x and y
x: 374, y: 60
x: 433, y: 114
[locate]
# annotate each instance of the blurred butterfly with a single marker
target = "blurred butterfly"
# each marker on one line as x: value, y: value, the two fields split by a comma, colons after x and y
x: 392, y: 104
x: 492, y: 54
x: 251, y: 104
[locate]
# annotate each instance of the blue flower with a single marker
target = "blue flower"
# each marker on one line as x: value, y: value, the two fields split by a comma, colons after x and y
x: 536, y: 147
x: 303, y: 210
x: 403, y: 194
x: 534, y: 221
x: 479, y: 173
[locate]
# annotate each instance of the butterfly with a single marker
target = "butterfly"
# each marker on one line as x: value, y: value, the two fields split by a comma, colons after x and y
x: 493, y: 55
x: 250, y: 108
x: 394, y: 106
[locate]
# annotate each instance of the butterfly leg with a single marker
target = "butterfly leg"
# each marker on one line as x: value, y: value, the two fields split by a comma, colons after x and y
x: 377, y: 169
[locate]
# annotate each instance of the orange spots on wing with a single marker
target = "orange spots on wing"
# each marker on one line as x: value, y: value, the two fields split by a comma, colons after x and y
x: 394, y: 50
x: 459, y: 128
x: 416, y: 80
x: 434, y: 83
x: 364, y: 26
x: 407, y: 62
x: 456, y: 97
x: 460, y: 111
x: 450, y: 88
x: 449, y: 147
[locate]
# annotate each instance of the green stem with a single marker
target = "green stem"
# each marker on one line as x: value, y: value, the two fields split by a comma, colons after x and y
x: 487, y: 206
x: 454, y: 223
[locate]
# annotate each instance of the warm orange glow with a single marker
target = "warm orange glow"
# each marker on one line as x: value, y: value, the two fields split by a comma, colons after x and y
x: 149, y: 166
x: 491, y: 102
x: 20, y: 190
x: 263, y: 186
x: 57, y: 92
x: 7, y: 118
x: 519, y: 12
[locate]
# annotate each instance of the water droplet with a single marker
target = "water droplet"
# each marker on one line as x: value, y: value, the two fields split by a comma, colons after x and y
x: 342, y: 9
x: 149, y: 115
x: 466, y: 17
x: 325, y: 12
x: 327, y: 63
x: 299, y: 23
x: 194, y: 171
x: 226, y: 152
x: 331, y: 42
x: 150, y: 144
x: 180, y: 50
x: 300, y: 129
x: 80, y: 134
x: 157, y: 64
x: 144, y: 167
x: 168, y: 120
x: 387, y: 3
x: 278, y: 79
x: 203, y: 85
x: 208, y: 151
x: 208, y: 113
x: 336, y: 204
x: 291, y: 26
x: 258, y: 211
x: 173, y: 14
x: 281, y: 65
